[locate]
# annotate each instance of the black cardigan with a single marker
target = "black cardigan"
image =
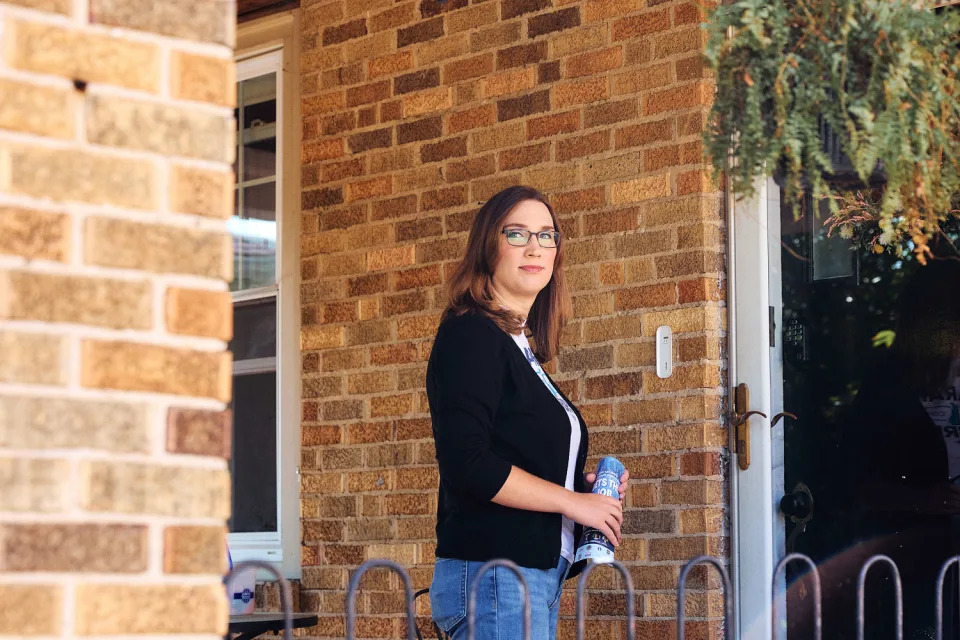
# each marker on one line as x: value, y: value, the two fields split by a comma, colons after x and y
x: 490, y: 410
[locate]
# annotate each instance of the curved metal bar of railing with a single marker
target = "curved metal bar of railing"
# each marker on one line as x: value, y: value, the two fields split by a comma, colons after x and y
x: 286, y: 595
x: 861, y: 588
x: 582, y: 583
x: 472, y: 600
x: 355, y: 584
x: 941, y: 578
x: 817, y: 595
x: 441, y: 635
x: 415, y: 596
x: 682, y: 594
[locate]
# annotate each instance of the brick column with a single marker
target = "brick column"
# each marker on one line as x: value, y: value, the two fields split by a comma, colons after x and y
x: 116, y: 140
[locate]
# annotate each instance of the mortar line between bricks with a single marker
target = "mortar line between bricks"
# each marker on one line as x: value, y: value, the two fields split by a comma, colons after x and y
x: 155, y: 338
x: 109, y: 395
x: 72, y: 361
x: 168, y: 460
x: 81, y: 12
x: 36, y: 79
x: 158, y: 294
x: 155, y: 549
x: 158, y: 419
x: 164, y: 184
x: 37, y: 15
x: 166, y: 218
x: 74, y: 487
x: 146, y: 636
x: 93, y: 517
x: 49, y: 206
x: 69, y: 608
x: 33, y: 141
x: 3, y: 34
x: 49, y: 267
x: 166, y: 78
x: 104, y: 90
x: 114, y: 579
x: 115, y: 32
x: 75, y: 259
x: 80, y: 117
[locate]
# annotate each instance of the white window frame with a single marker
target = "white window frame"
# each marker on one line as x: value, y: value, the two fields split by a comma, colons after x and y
x: 265, y: 46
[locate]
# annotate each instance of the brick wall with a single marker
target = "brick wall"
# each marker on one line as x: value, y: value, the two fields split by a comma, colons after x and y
x: 414, y: 113
x: 116, y: 140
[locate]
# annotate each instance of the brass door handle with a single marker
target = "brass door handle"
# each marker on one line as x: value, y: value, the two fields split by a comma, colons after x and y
x: 739, y: 420
x: 740, y: 424
x: 782, y: 414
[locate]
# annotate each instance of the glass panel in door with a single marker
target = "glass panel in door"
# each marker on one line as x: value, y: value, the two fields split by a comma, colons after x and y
x: 871, y: 368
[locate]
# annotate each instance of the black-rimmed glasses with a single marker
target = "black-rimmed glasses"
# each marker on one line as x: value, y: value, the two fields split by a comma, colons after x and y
x: 521, y: 238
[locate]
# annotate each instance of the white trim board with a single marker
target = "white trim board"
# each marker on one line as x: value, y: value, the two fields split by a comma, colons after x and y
x: 754, y: 287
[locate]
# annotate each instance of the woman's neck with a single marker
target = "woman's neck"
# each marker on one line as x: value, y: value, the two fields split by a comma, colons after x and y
x: 519, y: 306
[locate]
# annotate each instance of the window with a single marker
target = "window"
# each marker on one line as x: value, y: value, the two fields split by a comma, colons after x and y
x: 266, y: 360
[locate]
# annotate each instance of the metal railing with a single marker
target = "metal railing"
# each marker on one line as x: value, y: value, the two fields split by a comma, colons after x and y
x: 682, y: 593
x: 472, y: 597
x: 778, y: 619
x: 779, y: 622
x: 817, y: 594
x: 355, y: 585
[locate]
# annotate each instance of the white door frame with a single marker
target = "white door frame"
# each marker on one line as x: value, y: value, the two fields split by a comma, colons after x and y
x: 754, y: 288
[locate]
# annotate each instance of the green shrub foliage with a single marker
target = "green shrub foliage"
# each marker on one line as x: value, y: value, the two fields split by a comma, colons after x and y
x: 880, y: 73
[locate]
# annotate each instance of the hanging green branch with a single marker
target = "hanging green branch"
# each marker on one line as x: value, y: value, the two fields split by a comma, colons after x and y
x: 857, y: 217
x: 880, y: 73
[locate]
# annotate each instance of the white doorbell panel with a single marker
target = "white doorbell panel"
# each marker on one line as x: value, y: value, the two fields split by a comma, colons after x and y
x: 664, y: 351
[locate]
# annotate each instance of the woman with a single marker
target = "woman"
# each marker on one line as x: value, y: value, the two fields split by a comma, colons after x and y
x: 510, y: 446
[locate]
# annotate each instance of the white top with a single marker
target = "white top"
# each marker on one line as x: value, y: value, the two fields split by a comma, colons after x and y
x: 566, y: 531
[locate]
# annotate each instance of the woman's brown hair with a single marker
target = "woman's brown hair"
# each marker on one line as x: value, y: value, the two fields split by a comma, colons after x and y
x: 470, y: 288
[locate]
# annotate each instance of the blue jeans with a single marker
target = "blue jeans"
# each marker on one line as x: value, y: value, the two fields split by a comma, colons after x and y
x: 499, y: 612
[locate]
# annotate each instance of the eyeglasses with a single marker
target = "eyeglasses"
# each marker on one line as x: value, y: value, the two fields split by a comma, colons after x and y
x: 521, y: 238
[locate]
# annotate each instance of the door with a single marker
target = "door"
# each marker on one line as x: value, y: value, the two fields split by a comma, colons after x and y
x: 863, y: 348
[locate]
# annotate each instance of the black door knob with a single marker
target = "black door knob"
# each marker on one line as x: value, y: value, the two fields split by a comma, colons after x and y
x: 797, y: 504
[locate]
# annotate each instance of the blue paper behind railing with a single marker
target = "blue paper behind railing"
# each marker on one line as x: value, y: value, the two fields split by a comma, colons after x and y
x: 241, y: 589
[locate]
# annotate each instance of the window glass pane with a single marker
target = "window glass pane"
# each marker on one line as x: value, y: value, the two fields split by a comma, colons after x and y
x: 254, y: 329
x: 259, y: 206
x: 254, y: 463
x: 257, y: 117
x: 260, y: 152
x: 254, y: 239
x: 253, y: 225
